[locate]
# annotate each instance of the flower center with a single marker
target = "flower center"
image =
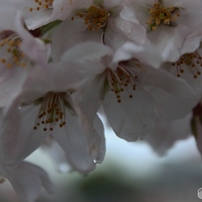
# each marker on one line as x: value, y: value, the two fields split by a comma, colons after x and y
x: 94, y: 17
x: 52, y: 111
x: 43, y: 4
x: 13, y: 56
x: 160, y: 15
x: 192, y: 60
x: 123, y: 78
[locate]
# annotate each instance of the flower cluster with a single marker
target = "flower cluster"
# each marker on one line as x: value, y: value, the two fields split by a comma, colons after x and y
x: 138, y: 62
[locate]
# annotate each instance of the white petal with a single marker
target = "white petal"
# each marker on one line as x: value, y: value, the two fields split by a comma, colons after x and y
x: 87, y: 102
x: 27, y: 180
x: 72, y: 140
x: 64, y: 38
x: 18, y: 138
x: 161, y: 79
x: 167, y: 133
x: 90, y: 61
x: 133, y: 118
x: 171, y: 106
x: 169, y: 40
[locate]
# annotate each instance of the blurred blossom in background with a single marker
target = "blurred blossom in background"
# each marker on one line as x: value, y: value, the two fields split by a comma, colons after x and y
x: 131, y: 172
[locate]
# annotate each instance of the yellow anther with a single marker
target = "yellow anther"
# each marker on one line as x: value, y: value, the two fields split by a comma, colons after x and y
x: 122, y: 79
x: 191, y: 60
x: 43, y: 4
x: 52, y: 111
x: 160, y: 15
x: 94, y: 17
x: 3, y: 60
x: 12, y: 54
x: 9, y: 65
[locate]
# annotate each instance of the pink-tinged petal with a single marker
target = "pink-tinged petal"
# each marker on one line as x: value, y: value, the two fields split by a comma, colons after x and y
x: 192, y: 5
x: 66, y: 8
x: 90, y: 61
x: 163, y: 80
x: 171, y: 106
x: 119, y: 31
x: 12, y: 79
x: 87, y: 101
x: 191, y: 42
x: 32, y: 87
x: 167, y: 133
x: 86, y: 53
x: 8, y: 13
x: 37, y: 19
x: 27, y: 180
x: 5, y: 73
x: 138, y: 9
x: 127, y: 52
x: 72, y: 139
x: 113, y: 4
x: 169, y: 41
x: 18, y: 137
x: 133, y: 29
x: 100, y: 146
x: 132, y: 118
x: 64, y: 38
x: 146, y: 54
x: 187, y: 75
x: 29, y: 91
x: 57, y: 155
x: 34, y: 48
x: 34, y: 17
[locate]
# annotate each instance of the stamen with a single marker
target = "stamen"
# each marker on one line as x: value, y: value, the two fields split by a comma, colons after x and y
x: 94, y: 17
x: 42, y: 4
x: 192, y: 60
x: 12, y: 56
x: 52, y: 111
x: 161, y: 15
x: 123, y: 79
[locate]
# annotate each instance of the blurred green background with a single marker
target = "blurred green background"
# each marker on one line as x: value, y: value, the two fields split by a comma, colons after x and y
x: 130, y: 172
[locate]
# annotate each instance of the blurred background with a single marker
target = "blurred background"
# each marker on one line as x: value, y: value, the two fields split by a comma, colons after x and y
x: 130, y: 172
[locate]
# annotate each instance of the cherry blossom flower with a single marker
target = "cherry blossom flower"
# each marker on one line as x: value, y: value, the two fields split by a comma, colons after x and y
x: 45, y: 106
x: 95, y: 21
x: 188, y: 68
x: 174, y: 27
x: 20, y: 51
x: 41, y: 12
x: 128, y: 91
